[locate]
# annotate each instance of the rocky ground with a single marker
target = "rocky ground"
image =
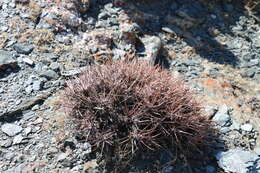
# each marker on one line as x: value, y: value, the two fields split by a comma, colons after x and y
x: 214, y: 47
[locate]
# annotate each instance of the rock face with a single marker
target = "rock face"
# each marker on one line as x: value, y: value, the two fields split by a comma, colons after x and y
x: 238, y: 161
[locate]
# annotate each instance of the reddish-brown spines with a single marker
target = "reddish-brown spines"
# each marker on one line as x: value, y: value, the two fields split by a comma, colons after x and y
x: 124, y: 107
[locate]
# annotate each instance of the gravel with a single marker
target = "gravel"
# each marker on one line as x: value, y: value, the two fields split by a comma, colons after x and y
x: 215, y: 51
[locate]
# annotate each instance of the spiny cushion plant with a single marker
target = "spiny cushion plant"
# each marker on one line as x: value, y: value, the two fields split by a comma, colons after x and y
x: 126, y: 107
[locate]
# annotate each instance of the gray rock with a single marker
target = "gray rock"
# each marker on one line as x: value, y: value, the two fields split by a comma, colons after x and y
x: 257, y: 77
x: 86, y: 147
x: 49, y: 74
x: 29, y: 89
x: 6, y: 143
x: 253, y: 62
x: 28, y: 61
x: 18, y: 102
x: 247, y: 127
x: 6, y: 60
x: 9, y: 156
x: 55, y: 66
x: 236, y: 160
x: 222, y: 116
x: 3, y: 28
x: 118, y: 54
x: 23, y: 48
x: 103, y: 15
x: 17, y: 169
x: 63, y: 39
x: 168, y: 30
x: 50, y: 56
x: 73, y: 21
x: 77, y: 168
x: 257, y: 151
x: 20, y: 168
x: 39, y: 67
x: 17, y: 139
x: 27, y: 130
x: 210, y: 169
x: 29, y: 81
x: 111, y: 9
x: 70, y: 72
x: 248, y: 73
x: 257, y: 40
x: 153, y: 46
x: 11, y: 129
x: 37, y: 85
x: 234, y: 126
x: 62, y: 156
x: 191, y: 62
x: 35, y: 107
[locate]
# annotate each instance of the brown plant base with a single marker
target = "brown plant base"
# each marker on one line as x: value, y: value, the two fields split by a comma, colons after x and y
x: 123, y: 108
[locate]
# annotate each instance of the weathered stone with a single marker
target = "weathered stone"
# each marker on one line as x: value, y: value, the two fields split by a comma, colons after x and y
x: 23, y: 48
x: 49, y: 74
x: 222, y: 116
x: 37, y: 85
x: 153, y: 46
x: 27, y: 104
x: 6, y: 60
x: 6, y: 143
x: 247, y: 127
x: 27, y: 130
x: 11, y: 129
x: 28, y: 61
x: 17, y: 139
x: 70, y: 72
x: 62, y: 156
x: 234, y: 126
x: 55, y: 66
x: 257, y: 151
x: 248, y: 72
x: 236, y: 160
x: 29, y: 89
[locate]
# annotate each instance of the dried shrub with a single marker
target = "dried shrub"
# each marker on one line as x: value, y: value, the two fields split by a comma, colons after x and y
x: 123, y: 108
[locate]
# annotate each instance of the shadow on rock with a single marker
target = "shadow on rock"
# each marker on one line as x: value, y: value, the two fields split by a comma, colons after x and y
x: 8, y: 71
x: 202, y: 25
